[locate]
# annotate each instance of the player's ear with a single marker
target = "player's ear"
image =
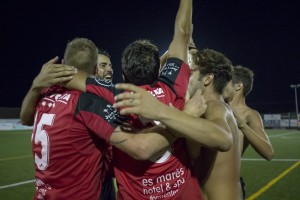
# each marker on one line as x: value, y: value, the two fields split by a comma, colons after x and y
x: 96, y: 71
x: 208, y: 78
x: 125, y: 79
x: 238, y: 86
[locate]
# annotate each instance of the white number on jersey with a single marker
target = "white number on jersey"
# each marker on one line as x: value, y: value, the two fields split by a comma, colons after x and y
x: 41, y: 136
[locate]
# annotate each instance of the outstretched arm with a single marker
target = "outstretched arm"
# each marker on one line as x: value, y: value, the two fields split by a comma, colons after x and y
x: 192, y: 44
x: 253, y: 129
x: 192, y: 47
x: 182, y: 31
x: 196, y: 129
x: 163, y: 59
x: 49, y: 75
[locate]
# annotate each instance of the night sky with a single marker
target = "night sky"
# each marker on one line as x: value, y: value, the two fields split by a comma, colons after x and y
x: 261, y: 35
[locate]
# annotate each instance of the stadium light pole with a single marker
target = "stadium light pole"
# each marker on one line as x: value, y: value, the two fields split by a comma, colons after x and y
x: 295, y: 87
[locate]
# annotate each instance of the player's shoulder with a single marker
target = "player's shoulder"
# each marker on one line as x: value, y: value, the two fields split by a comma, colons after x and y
x: 252, y: 115
x: 50, y: 90
x: 57, y: 92
x: 216, y: 107
x: 86, y: 98
x: 216, y: 104
x: 251, y: 112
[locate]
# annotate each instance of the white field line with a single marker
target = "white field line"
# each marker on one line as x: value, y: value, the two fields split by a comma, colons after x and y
x: 273, y: 160
x: 15, y: 158
x: 16, y: 184
x: 284, y: 134
x: 244, y: 159
x: 273, y: 181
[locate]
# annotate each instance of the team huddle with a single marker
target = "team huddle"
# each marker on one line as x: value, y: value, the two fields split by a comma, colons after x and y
x: 175, y: 129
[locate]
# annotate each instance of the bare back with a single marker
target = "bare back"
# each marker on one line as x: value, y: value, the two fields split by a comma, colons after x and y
x: 220, y: 171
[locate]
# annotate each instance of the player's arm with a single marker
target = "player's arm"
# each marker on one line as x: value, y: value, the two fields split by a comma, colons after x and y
x: 98, y: 115
x: 143, y: 145
x: 166, y: 55
x: 28, y: 106
x: 99, y: 87
x: 192, y: 44
x: 182, y: 31
x: 212, y: 132
x: 175, y: 73
x: 163, y: 59
x: 253, y: 129
x: 49, y: 75
x: 197, y: 129
x: 182, y: 37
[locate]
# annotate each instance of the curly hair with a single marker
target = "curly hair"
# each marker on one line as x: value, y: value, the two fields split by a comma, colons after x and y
x: 210, y: 61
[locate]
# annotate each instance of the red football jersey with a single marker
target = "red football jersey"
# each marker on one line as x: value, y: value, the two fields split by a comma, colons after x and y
x: 166, y: 177
x: 69, y: 144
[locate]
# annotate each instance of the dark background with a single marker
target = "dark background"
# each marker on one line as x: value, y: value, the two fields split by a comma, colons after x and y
x: 261, y: 35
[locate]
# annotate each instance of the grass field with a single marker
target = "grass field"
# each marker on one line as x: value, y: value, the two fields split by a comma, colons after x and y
x: 274, y: 180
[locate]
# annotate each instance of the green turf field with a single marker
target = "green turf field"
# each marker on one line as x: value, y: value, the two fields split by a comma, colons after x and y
x: 273, y: 180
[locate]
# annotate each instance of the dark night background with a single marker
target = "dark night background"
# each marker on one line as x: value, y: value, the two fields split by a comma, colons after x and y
x: 262, y: 35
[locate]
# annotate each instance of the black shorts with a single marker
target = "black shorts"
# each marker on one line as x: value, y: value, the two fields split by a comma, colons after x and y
x: 243, y: 186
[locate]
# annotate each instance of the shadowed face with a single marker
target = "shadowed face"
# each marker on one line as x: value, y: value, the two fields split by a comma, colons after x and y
x: 194, y: 82
x: 228, y: 92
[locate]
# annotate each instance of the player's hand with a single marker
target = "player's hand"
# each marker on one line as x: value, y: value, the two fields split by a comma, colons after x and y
x: 196, y: 106
x: 52, y: 73
x: 127, y: 127
x: 137, y: 101
x: 238, y: 113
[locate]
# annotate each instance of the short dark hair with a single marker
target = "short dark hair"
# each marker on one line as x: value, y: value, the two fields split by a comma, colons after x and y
x: 244, y: 75
x: 82, y: 54
x: 210, y: 61
x: 103, y: 52
x: 140, y: 62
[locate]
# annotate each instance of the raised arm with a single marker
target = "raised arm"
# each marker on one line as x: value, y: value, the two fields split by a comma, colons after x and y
x: 49, y: 75
x: 163, y: 59
x: 192, y: 44
x: 182, y: 31
x: 253, y: 130
x: 197, y: 129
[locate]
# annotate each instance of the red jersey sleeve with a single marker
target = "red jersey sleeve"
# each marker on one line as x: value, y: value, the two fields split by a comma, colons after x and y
x: 101, y: 88
x: 98, y: 115
x: 176, y: 75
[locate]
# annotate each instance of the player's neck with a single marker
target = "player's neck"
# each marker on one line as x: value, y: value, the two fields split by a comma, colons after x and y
x: 211, y: 95
x: 238, y: 101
